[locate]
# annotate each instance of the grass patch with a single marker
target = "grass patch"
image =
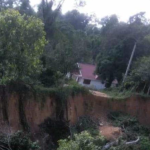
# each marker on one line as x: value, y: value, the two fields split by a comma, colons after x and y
x: 119, y: 94
x: 71, y: 90
x: 86, y: 123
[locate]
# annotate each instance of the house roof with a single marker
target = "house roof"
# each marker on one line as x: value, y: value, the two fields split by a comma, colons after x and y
x: 87, y: 71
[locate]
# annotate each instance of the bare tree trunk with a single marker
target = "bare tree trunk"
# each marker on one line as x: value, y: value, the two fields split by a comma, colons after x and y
x: 144, y: 88
x: 133, y: 142
x: 148, y: 90
x: 130, y: 61
x: 109, y: 145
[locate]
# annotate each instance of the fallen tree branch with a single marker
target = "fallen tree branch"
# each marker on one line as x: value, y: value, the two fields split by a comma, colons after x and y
x: 133, y: 142
x: 3, y: 147
x: 108, y: 145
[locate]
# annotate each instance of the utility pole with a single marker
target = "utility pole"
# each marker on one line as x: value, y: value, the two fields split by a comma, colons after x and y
x: 130, y: 61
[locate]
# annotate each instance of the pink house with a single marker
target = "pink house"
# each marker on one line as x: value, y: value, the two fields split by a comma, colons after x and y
x: 86, y: 76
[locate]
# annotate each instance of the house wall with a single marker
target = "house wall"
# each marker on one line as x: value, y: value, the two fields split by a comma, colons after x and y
x: 95, y: 84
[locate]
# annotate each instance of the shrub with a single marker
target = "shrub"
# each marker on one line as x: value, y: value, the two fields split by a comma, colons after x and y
x: 82, y: 141
x: 128, y: 123
x: 50, y: 78
x: 18, y: 141
x: 86, y: 123
x: 132, y: 129
x: 145, y: 143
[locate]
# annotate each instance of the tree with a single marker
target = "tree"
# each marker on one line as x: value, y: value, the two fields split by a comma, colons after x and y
x: 66, y: 49
x: 93, y: 40
x: 84, y: 141
x: 6, y: 4
x: 22, y: 43
x: 140, y: 75
x: 117, y: 41
x: 48, y: 14
x: 108, y: 23
x: 78, y: 20
x: 138, y: 18
x: 25, y: 7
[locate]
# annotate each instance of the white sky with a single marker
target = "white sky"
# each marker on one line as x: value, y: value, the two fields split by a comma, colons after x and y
x: 101, y: 8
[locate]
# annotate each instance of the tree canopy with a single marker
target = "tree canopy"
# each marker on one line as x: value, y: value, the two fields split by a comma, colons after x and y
x: 139, y: 77
x: 22, y: 43
x: 72, y: 37
x: 117, y: 43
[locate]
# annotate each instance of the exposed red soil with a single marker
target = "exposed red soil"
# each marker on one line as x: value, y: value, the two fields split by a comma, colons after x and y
x: 110, y: 132
x: 96, y: 105
x: 96, y: 93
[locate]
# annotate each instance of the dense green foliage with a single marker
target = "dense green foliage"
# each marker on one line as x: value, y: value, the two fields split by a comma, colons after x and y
x: 84, y: 141
x: 117, y: 43
x: 140, y: 76
x: 22, y: 43
x: 71, y: 38
x: 17, y: 141
x: 131, y: 130
x: 86, y: 123
x: 83, y: 135
x: 128, y: 124
x: 23, y: 6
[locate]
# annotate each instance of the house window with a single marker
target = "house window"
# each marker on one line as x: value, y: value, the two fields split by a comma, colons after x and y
x: 86, y: 81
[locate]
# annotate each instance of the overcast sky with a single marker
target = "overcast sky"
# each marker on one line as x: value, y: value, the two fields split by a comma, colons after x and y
x: 122, y: 8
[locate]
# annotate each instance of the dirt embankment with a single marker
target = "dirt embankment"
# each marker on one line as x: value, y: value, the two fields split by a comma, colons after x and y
x: 34, y: 112
x: 98, y: 106
x: 31, y: 114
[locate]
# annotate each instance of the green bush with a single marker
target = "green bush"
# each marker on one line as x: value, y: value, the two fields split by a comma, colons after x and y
x: 128, y: 123
x: 18, y: 141
x: 145, y: 143
x: 83, y: 141
x: 132, y: 129
x: 86, y: 123
x: 72, y: 82
x: 50, y: 78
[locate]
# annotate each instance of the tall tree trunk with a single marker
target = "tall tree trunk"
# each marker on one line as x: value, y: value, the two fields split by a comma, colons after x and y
x: 148, y: 90
x: 144, y: 88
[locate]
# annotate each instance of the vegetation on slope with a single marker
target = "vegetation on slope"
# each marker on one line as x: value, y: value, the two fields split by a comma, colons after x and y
x: 131, y: 130
x: 17, y: 141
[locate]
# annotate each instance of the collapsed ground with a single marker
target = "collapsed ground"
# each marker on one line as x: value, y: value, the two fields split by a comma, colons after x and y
x: 115, y: 131
x: 120, y: 132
